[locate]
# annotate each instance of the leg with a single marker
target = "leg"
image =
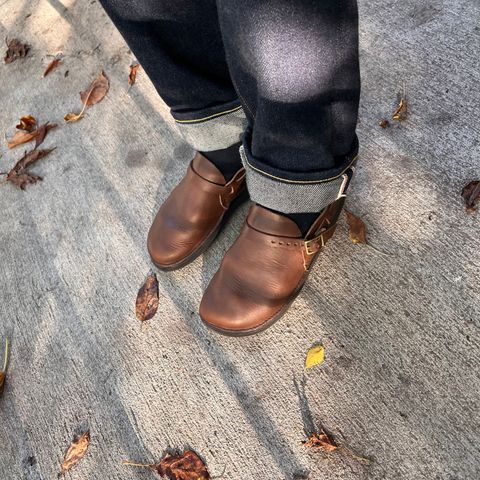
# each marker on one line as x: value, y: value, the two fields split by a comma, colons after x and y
x: 179, y: 44
x: 295, y: 66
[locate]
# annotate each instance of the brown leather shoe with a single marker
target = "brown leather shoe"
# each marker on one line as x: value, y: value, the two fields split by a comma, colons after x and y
x: 264, y: 270
x: 193, y: 214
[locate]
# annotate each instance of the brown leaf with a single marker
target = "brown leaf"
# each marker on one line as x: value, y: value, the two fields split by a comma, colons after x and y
x: 15, y: 50
x: 356, y: 229
x: 23, y: 137
x: 52, y: 66
x: 95, y: 93
x: 76, y: 451
x: 22, y: 179
x: 19, y: 176
x: 384, y: 123
x: 401, y: 111
x: 471, y: 195
x: 27, y: 123
x: 31, y: 157
x: 42, y: 131
x: 321, y: 441
x: 185, y: 466
x: 147, y: 299
x: 132, y: 77
x: 3, y: 373
x: 97, y: 90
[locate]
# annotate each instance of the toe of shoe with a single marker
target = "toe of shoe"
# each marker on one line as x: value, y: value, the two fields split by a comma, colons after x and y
x: 164, y: 253
x: 233, y: 314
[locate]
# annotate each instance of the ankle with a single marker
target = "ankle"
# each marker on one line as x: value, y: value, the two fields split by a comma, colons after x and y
x: 227, y: 160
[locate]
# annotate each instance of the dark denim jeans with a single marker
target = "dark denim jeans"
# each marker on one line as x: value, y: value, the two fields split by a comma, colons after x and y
x: 283, y: 75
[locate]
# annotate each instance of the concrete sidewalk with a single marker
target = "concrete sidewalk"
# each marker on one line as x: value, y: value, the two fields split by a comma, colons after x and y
x: 400, y: 383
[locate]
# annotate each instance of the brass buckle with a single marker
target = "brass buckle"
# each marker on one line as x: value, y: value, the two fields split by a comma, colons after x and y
x: 308, y: 243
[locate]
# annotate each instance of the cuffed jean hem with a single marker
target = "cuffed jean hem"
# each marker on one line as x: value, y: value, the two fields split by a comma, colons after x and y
x: 212, y: 128
x: 294, y: 196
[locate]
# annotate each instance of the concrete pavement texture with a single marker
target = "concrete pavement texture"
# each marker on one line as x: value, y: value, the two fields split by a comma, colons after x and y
x: 399, y: 319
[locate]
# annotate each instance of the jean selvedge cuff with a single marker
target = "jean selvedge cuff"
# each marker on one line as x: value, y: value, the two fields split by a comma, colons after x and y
x: 294, y: 196
x: 212, y: 128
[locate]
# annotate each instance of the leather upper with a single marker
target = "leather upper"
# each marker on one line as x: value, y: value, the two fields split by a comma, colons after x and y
x: 264, y: 269
x: 192, y: 212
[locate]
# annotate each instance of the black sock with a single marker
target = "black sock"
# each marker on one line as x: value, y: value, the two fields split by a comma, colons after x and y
x: 303, y: 220
x: 227, y: 160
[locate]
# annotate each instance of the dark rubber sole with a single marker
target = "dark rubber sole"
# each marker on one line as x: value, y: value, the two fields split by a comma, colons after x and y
x: 271, y: 320
x: 239, y: 200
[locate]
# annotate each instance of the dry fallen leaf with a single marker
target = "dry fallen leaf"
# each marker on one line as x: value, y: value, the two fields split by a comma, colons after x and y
x: 21, y: 137
x: 42, y: 132
x: 132, y: 77
x: 147, y: 299
x: 384, y: 123
x: 185, y: 466
x: 73, y: 117
x: 321, y: 441
x: 52, y: 66
x: 76, y: 451
x: 471, y: 195
x: 401, y: 111
x: 27, y: 136
x: 95, y: 93
x: 15, y: 50
x: 3, y: 373
x: 356, y: 228
x: 97, y: 90
x: 19, y: 175
x: 27, y: 123
x: 315, y: 356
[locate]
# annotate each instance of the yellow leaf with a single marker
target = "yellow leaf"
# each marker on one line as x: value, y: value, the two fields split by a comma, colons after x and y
x: 76, y: 451
x: 401, y: 111
x: 315, y: 356
x: 73, y: 117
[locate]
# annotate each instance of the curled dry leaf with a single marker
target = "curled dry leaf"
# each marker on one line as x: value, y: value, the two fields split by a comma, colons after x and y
x: 357, y: 231
x: 38, y: 134
x: 94, y: 94
x: 315, y: 356
x: 76, y: 451
x: 97, y: 90
x: 73, y: 117
x: 3, y: 373
x: 185, y: 466
x: 471, y: 195
x: 132, y: 76
x: 52, y: 66
x: 27, y: 123
x: 147, y: 299
x: 19, y: 175
x: 321, y: 441
x: 401, y: 111
x: 20, y: 138
x: 15, y: 50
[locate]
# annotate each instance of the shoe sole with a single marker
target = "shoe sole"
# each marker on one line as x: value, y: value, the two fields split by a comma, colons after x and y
x: 239, y: 200
x: 271, y: 320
